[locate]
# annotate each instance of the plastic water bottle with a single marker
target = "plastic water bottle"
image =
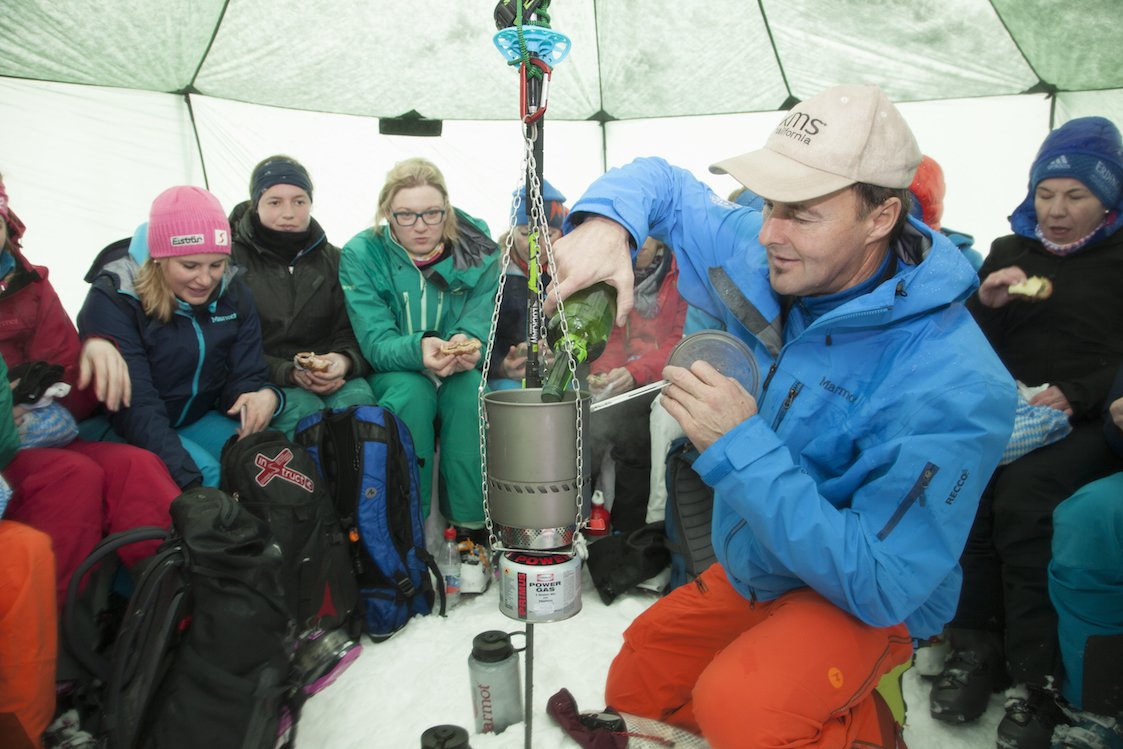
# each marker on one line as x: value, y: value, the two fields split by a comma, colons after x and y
x: 493, y: 668
x: 589, y: 315
x: 448, y: 562
x: 600, y: 520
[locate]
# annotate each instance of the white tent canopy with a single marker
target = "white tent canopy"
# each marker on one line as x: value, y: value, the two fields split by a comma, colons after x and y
x: 102, y: 105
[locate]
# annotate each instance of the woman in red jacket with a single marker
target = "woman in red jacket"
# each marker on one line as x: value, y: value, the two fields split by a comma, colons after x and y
x: 83, y: 490
x: 635, y: 356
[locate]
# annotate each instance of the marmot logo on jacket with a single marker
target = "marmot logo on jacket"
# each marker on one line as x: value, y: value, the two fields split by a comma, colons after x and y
x: 224, y: 318
x: 830, y: 387
x: 278, y: 468
x: 800, y: 126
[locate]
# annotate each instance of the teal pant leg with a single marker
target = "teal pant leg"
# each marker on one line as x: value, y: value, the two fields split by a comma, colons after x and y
x: 413, y: 398
x: 461, y: 469
x: 204, y: 440
x: 356, y: 392
x: 1086, y: 574
x: 300, y: 403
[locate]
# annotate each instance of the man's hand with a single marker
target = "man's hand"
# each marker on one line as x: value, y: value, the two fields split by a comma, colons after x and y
x: 706, y: 403
x: 101, y: 363
x: 993, y: 291
x: 597, y: 250
x: 1053, y: 398
x: 255, y: 410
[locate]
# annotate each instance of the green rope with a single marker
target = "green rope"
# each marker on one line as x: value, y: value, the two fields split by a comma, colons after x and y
x: 532, y: 71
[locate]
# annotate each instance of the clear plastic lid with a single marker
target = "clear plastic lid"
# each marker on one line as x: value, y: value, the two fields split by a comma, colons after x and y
x: 724, y: 352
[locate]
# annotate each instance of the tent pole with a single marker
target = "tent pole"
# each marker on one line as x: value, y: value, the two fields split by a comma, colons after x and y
x: 198, y: 143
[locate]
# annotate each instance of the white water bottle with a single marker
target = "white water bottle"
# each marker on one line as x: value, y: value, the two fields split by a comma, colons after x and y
x: 493, y: 668
x: 448, y: 562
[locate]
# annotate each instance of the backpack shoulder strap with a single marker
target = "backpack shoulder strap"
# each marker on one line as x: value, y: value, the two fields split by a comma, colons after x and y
x: 104, y: 553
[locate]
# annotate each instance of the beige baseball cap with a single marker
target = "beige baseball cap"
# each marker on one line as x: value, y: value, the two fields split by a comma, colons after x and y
x: 846, y: 134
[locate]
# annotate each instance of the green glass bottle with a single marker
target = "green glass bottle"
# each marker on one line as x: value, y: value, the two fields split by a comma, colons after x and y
x: 589, y: 315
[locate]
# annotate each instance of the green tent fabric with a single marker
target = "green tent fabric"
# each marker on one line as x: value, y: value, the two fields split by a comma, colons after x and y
x: 630, y: 58
x: 104, y: 104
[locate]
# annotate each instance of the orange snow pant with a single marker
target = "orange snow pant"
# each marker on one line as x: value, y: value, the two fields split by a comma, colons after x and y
x: 796, y: 671
x: 28, y: 629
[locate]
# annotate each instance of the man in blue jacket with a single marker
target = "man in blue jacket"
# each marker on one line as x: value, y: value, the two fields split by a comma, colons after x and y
x: 844, y: 490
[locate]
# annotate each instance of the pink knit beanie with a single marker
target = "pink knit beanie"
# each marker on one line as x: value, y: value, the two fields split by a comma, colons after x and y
x: 187, y: 220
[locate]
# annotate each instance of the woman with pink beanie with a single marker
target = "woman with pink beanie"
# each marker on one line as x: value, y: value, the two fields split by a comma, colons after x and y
x: 189, y: 332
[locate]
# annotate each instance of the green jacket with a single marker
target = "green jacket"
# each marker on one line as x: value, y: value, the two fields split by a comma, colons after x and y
x: 393, y: 303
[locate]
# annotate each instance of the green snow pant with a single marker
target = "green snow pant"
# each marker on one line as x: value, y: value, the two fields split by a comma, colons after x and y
x: 421, y: 405
x: 300, y: 403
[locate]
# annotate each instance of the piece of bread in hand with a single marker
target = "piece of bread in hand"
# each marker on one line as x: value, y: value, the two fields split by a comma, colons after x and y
x: 1034, y: 287
x: 598, y: 380
x: 461, y: 347
x: 309, y: 361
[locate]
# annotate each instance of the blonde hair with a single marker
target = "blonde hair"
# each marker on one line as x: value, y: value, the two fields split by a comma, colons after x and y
x: 156, y: 297
x: 416, y: 172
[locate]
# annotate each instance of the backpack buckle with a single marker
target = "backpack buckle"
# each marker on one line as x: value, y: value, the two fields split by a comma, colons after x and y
x: 405, y: 585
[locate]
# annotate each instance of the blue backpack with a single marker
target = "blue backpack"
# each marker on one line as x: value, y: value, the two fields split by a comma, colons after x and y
x: 367, y: 459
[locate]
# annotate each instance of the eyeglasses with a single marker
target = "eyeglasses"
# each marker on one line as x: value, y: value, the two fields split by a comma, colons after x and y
x: 431, y: 217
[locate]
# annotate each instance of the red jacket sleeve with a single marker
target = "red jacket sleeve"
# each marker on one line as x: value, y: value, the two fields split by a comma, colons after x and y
x: 56, y: 341
x: 668, y: 323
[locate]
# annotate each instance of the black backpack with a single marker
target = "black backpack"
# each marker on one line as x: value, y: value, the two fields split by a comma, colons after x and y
x: 366, y: 455
x: 277, y: 480
x: 203, y: 653
x: 689, y: 512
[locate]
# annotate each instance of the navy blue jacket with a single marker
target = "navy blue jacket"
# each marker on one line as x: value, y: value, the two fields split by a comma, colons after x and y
x: 200, y: 361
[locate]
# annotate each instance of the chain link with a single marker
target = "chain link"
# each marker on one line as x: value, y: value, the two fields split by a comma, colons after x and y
x: 540, y: 226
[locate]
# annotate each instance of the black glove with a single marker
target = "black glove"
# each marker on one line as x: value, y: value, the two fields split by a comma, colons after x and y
x: 34, y: 379
x: 619, y: 563
x: 604, y: 730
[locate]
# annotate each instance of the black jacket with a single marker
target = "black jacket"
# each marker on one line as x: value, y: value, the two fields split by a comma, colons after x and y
x: 301, y: 306
x: 1073, y: 339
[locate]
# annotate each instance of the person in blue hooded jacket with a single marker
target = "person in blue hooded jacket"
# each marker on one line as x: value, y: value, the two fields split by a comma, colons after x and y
x: 844, y: 490
x: 188, y: 330
x: 507, y: 368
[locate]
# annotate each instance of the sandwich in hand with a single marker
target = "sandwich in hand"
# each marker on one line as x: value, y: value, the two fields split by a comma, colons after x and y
x: 309, y: 361
x: 1034, y: 287
x: 461, y: 347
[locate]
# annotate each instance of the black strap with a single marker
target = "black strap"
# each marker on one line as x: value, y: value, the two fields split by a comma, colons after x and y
x: 768, y: 332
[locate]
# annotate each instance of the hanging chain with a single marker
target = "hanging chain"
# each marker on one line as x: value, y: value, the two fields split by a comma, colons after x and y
x: 548, y: 246
x: 538, y: 226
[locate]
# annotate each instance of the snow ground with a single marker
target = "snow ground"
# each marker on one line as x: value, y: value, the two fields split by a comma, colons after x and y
x: 419, y: 678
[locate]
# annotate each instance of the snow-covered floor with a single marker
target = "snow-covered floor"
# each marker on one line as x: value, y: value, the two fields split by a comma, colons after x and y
x: 419, y: 678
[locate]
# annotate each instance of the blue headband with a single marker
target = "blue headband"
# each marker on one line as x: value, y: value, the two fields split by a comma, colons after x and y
x: 278, y: 172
